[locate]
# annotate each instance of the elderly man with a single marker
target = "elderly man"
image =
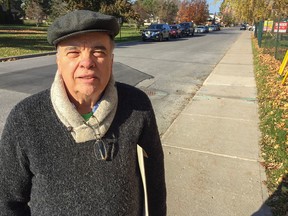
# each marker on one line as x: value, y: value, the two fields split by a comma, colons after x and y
x: 72, y: 149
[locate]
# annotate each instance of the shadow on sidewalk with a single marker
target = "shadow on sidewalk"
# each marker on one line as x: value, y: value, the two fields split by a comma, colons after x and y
x: 277, y: 203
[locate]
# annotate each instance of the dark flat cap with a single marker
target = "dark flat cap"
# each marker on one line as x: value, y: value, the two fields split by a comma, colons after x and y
x: 81, y: 21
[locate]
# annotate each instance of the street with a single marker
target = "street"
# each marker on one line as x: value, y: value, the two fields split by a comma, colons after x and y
x: 170, y: 72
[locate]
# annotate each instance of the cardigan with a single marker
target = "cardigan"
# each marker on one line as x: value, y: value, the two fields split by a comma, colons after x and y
x: 44, y: 171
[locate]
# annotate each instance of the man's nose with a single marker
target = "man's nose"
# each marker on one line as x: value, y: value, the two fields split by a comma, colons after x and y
x: 87, y: 61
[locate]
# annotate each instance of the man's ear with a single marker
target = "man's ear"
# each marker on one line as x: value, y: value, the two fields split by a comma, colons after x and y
x: 57, y: 62
x: 112, y: 59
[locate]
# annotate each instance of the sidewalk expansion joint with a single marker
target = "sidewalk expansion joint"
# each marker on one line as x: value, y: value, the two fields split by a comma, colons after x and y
x: 217, y: 117
x: 210, y: 153
x: 227, y: 84
x: 206, y: 96
x: 236, y: 63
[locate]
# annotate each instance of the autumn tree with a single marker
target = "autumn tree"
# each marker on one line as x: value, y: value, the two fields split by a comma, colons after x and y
x: 227, y: 15
x: 58, y: 8
x: 87, y: 4
x: 167, y: 11
x: 184, y: 13
x: 200, y: 11
x: 151, y: 7
x: 196, y: 11
x: 52, y: 9
x: 142, y: 13
x: 255, y: 10
x: 34, y: 11
x: 121, y: 9
x: 161, y: 10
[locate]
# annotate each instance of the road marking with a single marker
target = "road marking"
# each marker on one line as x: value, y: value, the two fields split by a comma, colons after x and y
x: 210, y: 153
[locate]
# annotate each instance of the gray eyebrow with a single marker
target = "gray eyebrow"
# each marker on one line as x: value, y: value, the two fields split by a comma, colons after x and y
x: 70, y: 48
x: 76, y: 47
x: 100, y: 47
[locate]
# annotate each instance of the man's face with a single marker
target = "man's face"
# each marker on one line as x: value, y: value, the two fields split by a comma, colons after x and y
x: 85, y: 64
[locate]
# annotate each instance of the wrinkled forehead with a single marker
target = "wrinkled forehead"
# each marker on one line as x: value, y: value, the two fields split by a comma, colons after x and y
x: 90, y: 39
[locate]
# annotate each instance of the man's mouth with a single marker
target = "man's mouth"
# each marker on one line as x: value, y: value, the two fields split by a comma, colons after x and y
x: 87, y: 78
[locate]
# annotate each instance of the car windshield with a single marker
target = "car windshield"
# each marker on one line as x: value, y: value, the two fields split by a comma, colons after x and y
x: 184, y: 24
x: 173, y: 27
x: 155, y: 26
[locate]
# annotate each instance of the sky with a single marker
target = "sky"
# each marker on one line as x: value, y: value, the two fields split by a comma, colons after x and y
x: 214, y: 7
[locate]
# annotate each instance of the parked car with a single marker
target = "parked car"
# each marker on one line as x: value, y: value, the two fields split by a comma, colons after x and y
x: 243, y: 27
x: 211, y: 28
x: 156, y: 32
x: 201, y: 29
x: 176, y: 31
x: 217, y: 27
x: 251, y: 28
x: 188, y: 28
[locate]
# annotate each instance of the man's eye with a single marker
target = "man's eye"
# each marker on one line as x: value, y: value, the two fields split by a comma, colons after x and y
x: 99, y: 53
x: 73, y: 54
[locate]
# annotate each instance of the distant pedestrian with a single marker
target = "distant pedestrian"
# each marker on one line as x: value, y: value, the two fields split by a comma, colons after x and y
x: 72, y: 149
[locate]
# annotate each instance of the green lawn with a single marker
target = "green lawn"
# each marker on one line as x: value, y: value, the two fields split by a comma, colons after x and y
x: 29, y: 39
x: 128, y: 34
x: 15, y: 44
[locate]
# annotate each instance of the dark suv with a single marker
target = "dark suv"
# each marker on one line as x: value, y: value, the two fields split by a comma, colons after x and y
x: 156, y: 32
x: 188, y: 28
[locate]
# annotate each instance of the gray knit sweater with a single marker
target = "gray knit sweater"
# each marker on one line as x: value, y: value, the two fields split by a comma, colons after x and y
x: 44, y: 171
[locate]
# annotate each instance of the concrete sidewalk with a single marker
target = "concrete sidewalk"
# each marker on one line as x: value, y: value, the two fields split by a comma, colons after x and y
x: 212, y: 148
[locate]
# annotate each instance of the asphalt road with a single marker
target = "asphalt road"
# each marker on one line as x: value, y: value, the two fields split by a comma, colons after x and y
x: 170, y: 72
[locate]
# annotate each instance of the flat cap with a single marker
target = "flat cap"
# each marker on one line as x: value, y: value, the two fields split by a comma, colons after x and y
x: 79, y: 22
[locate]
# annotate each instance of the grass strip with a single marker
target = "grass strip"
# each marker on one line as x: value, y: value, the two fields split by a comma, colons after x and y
x: 27, y: 39
x: 273, y: 114
x: 23, y: 44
